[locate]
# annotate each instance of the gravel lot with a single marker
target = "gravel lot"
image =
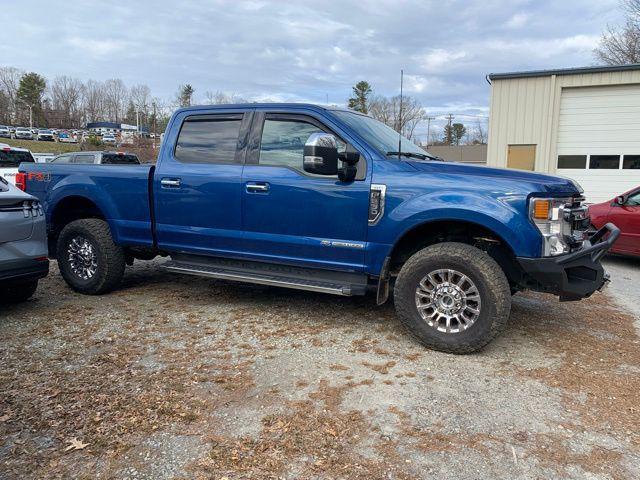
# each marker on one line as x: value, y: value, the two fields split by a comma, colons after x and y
x: 182, y: 377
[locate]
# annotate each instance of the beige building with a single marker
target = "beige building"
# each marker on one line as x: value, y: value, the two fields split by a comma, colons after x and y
x: 582, y: 123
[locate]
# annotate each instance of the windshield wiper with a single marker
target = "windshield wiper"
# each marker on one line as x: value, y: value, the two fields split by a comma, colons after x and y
x: 421, y: 156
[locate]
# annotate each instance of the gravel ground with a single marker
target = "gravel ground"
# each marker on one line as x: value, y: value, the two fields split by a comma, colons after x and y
x: 182, y: 377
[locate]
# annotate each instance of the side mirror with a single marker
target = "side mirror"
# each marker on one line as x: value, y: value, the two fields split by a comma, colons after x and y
x: 620, y: 200
x: 321, y: 154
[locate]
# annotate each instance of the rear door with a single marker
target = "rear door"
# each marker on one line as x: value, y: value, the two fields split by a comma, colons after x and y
x: 291, y: 216
x: 197, y: 184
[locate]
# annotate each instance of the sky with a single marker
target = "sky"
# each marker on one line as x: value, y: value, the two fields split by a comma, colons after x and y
x: 306, y: 51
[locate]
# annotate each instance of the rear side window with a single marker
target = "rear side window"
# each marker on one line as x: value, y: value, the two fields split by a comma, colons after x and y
x: 11, y: 158
x: 83, y: 159
x: 116, y: 159
x: 209, y: 140
x: 62, y: 159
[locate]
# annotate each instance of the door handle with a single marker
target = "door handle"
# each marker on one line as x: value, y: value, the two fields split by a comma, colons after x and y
x: 170, y: 183
x: 257, y: 187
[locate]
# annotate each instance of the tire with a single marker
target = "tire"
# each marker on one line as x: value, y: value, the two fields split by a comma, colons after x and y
x: 104, y: 259
x: 19, y: 292
x: 491, y: 297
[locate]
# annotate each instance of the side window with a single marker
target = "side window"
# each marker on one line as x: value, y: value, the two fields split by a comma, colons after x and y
x: 283, y: 142
x: 83, y: 159
x: 634, y: 199
x: 62, y: 159
x: 209, y: 140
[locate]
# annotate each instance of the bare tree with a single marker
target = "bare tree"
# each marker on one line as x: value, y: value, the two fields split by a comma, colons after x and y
x: 219, y: 98
x: 387, y: 110
x: 621, y: 45
x: 66, y: 99
x: 477, y: 136
x: 94, y: 101
x: 116, y: 99
x: 9, y: 84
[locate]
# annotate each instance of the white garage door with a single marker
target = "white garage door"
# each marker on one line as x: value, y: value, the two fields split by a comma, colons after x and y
x: 599, y: 139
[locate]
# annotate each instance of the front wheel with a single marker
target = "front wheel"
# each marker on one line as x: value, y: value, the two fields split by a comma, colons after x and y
x: 453, y: 297
x: 89, y: 260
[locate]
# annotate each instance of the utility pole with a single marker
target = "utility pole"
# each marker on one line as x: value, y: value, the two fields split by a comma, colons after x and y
x: 450, y: 132
x: 429, y: 128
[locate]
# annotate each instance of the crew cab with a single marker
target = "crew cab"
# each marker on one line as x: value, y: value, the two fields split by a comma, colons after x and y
x: 328, y: 200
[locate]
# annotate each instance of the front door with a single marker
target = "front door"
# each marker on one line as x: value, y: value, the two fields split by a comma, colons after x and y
x: 197, y: 185
x: 290, y: 216
x: 627, y: 218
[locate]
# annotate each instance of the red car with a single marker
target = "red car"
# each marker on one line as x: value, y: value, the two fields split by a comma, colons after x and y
x: 624, y: 212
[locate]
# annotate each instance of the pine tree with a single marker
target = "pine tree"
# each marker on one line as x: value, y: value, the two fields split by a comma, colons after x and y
x: 359, y: 100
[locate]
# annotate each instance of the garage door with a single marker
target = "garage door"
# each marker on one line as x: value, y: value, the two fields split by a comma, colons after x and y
x: 599, y: 139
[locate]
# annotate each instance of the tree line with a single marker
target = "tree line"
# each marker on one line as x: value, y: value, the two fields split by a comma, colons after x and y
x: 406, y: 113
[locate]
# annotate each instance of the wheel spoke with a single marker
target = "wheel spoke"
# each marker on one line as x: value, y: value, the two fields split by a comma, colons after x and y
x: 448, y: 300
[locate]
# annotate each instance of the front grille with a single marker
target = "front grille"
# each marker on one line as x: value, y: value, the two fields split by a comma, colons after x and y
x: 577, y: 221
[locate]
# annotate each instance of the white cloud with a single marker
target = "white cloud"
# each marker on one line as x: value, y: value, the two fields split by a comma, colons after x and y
x: 517, y: 20
x: 439, y: 57
x: 90, y: 46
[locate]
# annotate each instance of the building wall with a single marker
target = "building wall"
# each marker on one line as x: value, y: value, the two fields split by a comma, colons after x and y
x: 476, y: 154
x: 527, y: 110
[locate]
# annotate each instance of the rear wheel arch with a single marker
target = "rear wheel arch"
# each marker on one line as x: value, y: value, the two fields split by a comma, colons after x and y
x: 67, y: 210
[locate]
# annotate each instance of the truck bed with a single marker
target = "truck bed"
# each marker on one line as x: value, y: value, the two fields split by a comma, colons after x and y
x: 121, y: 193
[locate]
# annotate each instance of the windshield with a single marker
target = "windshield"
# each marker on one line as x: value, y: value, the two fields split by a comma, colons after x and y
x: 12, y: 158
x: 380, y: 136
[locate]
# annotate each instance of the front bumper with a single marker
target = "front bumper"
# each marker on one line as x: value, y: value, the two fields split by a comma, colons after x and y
x: 575, y: 275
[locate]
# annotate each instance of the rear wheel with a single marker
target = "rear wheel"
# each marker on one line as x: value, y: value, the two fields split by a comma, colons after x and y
x: 18, y: 292
x: 453, y: 297
x: 89, y: 260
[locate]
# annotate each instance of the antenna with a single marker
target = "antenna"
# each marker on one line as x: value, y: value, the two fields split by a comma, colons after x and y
x: 400, y: 117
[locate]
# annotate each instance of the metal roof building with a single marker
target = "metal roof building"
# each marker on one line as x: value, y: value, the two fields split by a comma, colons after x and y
x: 583, y: 123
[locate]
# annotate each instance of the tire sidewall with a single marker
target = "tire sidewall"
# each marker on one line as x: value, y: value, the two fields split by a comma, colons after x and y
x: 68, y: 233
x: 481, y: 329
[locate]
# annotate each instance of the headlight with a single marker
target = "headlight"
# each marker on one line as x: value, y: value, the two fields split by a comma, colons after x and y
x: 548, y: 215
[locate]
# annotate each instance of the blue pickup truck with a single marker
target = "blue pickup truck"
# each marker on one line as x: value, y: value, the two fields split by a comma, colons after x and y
x: 327, y: 200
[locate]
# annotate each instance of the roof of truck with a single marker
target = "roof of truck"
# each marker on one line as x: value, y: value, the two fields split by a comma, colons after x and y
x: 271, y: 106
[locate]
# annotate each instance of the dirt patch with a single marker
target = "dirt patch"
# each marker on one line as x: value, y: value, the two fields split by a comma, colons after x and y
x: 176, y: 377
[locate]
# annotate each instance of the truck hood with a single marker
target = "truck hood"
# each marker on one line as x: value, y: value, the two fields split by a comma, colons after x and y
x: 521, y: 180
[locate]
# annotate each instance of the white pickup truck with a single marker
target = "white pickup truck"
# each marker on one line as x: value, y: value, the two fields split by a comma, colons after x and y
x: 10, y: 160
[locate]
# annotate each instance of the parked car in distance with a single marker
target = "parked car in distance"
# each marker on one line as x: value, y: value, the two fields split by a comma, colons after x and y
x: 23, y: 133
x: 45, y: 135
x: 10, y: 160
x: 5, y: 131
x: 98, y: 158
x: 23, y: 244
x: 109, y: 139
x: 327, y: 200
x: 624, y: 212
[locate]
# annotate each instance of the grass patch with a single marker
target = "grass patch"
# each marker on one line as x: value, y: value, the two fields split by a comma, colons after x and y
x: 42, y: 147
